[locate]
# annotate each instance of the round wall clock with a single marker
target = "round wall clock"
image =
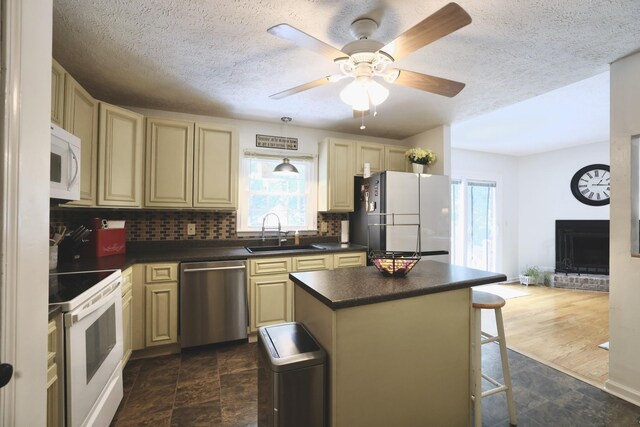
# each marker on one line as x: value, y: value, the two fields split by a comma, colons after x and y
x: 590, y: 185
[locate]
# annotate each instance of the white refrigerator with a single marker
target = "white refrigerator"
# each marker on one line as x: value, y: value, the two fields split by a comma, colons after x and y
x: 401, y: 200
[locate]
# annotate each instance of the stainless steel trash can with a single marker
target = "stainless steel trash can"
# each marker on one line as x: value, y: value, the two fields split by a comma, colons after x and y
x: 291, y: 377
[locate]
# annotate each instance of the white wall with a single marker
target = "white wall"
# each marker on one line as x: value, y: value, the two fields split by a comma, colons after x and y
x: 504, y: 171
x: 624, y: 294
x: 544, y: 195
x: 25, y: 209
x: 437, y: 140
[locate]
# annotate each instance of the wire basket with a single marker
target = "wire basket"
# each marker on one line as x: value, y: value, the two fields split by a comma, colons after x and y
x: 393, y: 263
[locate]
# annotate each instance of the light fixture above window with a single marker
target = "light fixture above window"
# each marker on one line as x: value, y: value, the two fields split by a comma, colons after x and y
x: 285, y: 168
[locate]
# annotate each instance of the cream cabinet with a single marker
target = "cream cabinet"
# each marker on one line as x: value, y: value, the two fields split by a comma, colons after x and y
x: 120, y: 157
x: 335, y: 175
x: 127, y: 292
x: 169, y: 163
x: 271, y: 297
x: 215, y: 168
x: 190, y: 165
x: 57, y: 93
x: 81, y: 119
x: 154, y: 305
x: 161, y: 304
x: 312, y: 263
x: 270, y: 292
x: 349, y: 259
x: 394, y: 159
x: 372, y: 153
x: 55, y: 373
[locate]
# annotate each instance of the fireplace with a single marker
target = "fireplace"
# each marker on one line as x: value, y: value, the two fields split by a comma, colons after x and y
x: 582, y: 246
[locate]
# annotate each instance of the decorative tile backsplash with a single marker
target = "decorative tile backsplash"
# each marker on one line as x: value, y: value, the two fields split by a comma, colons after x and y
x: 151, y: 225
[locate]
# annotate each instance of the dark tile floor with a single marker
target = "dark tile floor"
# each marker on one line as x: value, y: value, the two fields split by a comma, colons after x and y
x: 217, y: 387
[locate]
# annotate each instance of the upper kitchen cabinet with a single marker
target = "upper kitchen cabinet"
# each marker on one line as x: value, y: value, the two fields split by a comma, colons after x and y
x: 190, y: 170
x: 57, y: 93
x: 215, y: 183
x: 372, y: 153
x: 120, y: 157
x: 335, y: 175
x: 394, y: 159
x: 169, y: 163
x: 81, y: 119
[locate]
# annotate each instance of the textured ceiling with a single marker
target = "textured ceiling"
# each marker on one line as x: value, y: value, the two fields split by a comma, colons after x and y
x: 216, y: 57
x: 573, y: 115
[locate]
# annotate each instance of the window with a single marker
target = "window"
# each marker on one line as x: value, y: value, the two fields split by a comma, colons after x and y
x: 292, y: 198
x: 473, y: 224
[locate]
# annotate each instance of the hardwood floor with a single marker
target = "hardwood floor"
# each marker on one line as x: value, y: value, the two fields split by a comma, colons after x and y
x: 561, y: 328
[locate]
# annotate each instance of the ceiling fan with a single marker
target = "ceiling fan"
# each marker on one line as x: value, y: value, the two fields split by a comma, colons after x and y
x: 365, y: 59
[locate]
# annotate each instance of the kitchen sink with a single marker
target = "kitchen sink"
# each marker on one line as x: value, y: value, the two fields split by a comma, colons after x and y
x: 254, y: 249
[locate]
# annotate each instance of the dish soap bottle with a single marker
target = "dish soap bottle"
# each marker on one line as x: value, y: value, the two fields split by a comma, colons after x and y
x: 296, y: 238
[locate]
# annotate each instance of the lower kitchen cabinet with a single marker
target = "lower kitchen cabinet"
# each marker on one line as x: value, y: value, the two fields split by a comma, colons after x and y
x: 161, y: 306
x: 55, y: 373
x: 349, y: 259
x: 271, y: 291
x: 273, y: 300
x: 127, y: 292
x: 154, y: 305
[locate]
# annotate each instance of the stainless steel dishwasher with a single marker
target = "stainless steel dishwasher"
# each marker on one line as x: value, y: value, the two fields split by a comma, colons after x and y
x: 213, y: 302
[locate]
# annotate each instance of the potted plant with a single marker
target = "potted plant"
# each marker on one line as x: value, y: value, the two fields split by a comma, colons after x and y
x: 420, y: 158
x: 530, y: 276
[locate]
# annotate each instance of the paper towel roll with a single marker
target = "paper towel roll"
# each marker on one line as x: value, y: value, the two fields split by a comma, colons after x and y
x: 344, y: 231
x: 366, y: 170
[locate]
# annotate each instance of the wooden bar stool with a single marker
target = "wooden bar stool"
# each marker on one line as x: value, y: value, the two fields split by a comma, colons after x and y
x: 485, y: 300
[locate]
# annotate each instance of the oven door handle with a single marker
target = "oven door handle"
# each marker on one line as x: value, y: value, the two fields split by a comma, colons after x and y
x: 77, y: 167
x: 75, y: 317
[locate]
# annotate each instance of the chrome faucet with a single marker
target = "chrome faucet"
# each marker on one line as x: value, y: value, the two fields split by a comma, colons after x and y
x: 272, y: 228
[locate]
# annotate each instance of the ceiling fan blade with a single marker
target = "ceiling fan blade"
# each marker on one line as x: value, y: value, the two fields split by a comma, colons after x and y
x: 445, y: 21
x: 432, y: 84
x: 358, y: 114
x: 302, y: 39
x: 300, y: 88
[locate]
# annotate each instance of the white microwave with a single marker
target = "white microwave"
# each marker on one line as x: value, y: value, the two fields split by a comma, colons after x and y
x: 65, y: 164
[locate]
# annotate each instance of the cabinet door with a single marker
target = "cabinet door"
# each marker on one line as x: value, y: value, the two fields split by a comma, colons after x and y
x: 272, y: 299
x: 335, y: 175
x: 349, y: 259
x: 161, y: 306
x: 169, y: 165
x: 368, y: 152
x: 127, y: 346
x: 395, y: 160
x: 57, y: 93
x: 215, y: 167
x: 312, y: 262
x: 120, y: 157
x: 81, y: 119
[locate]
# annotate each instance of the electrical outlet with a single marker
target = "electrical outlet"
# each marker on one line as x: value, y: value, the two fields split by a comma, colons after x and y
x: 191, y: 229
x: 323, y: 227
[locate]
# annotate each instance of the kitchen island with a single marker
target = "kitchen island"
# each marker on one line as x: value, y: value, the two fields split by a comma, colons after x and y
x: 398, y: 348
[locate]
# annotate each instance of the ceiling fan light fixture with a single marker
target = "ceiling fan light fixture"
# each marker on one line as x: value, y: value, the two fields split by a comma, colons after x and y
x: 285, y: 168
x: 360, y: 94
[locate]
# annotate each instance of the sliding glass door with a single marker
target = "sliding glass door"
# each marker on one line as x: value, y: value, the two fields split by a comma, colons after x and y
x: 473, y: 223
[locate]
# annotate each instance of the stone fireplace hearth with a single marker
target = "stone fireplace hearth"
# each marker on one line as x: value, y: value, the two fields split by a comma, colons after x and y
x: 585, y: 282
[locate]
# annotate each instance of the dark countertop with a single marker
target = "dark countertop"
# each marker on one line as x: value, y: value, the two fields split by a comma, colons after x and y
x: 181, y: 252
x: 351, y: 287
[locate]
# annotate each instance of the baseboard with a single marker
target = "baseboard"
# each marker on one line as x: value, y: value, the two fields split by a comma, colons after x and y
x: 623, y: 392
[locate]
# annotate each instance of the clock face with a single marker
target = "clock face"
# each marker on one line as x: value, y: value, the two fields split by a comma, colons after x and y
x: 591, y: 186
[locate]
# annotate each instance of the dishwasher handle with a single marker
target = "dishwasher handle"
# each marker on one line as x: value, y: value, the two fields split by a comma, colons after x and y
x: 194, y: 270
